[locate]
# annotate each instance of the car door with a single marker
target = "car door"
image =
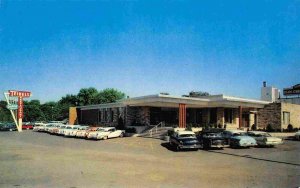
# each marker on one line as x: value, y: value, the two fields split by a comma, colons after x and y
x: 112, y: 133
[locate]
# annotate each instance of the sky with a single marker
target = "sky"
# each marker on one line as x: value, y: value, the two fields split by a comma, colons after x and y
x: 54, y: 48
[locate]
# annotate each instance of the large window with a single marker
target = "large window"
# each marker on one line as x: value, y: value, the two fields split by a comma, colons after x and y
x: 228, y: 113
x: 286, y: 118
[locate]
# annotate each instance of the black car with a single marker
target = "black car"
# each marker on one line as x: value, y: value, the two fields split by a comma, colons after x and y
x: 8, y: 127
x: 181, y: 140
x: 212, y: 139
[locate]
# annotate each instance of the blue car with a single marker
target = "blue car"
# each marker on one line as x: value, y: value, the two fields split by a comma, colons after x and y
x: 238, y: 138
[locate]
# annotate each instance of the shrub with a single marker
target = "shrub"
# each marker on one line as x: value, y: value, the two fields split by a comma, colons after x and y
x: 130, y: 130
x: 253, y: 127
x: 269, y: 128
x: 290, y: 128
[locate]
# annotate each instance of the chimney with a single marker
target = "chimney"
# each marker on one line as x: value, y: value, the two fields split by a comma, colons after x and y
x: 264, y: 84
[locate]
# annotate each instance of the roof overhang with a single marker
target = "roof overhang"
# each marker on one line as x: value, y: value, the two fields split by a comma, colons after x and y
x: 191, y: 102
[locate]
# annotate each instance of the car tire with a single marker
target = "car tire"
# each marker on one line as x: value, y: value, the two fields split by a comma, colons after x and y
x: 105, y: 138
x: 177, y: 148
x: 121, y: 135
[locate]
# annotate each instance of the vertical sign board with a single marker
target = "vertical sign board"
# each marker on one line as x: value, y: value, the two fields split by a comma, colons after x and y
x: 20, y: 95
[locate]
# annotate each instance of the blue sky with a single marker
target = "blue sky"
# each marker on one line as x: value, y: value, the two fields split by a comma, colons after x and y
x: 146, y: 47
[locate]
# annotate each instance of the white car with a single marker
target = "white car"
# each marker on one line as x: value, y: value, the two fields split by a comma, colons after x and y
x: 72, y: 131
x: 105, y: 133
x: 53, y: 127
x: 61, y: 131
x: 85, y: 131
x: 297, y: 135
x: 264, y: 139
x: 38, y: 126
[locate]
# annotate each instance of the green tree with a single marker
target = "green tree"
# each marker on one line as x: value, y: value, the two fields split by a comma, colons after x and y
x: 65, y: 103
x: 32, y: 111
x: 5, y: 115
x: 87, y: 96
x: 50, y: 110
x: 109, y: 95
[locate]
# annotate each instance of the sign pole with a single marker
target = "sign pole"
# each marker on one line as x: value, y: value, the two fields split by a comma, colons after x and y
x: 19, y: 107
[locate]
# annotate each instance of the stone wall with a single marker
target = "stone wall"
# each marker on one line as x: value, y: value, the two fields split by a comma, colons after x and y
x: 138, y: 115
x: 270, y: 114
x: 294, y: 110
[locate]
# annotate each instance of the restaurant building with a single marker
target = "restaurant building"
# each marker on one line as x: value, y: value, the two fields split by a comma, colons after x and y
x: 214, y: 111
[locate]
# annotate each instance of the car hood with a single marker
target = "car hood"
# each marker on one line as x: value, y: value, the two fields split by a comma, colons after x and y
x: 273, y: 139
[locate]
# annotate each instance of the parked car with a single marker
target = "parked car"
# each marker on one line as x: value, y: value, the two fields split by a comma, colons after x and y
x: 8, y: 127
x: 70, y: 132
x: 297, y: 135
x: 80, y: 132
x: 58, y: 130
x: 61, y: 131
x: 264, y: 139
x: 83, y: 133
x: 105, y: 133
x: 212, y: 139
x: 184, y: 140
x: 27, y: 125
x: 238, y: 138
x: 38, y: 126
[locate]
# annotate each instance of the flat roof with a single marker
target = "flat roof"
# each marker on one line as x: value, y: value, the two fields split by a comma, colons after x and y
x: 171, y: 101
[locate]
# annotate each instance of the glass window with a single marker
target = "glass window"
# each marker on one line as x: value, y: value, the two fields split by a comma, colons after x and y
x: 286, y: 118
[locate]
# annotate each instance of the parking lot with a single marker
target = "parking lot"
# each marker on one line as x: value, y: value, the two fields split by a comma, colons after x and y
x: 31, y: 159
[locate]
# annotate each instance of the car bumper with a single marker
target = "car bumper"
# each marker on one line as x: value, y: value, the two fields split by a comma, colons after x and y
x: 196, y: 146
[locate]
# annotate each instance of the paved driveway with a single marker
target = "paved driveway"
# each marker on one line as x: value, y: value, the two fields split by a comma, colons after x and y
x: 32, y: 159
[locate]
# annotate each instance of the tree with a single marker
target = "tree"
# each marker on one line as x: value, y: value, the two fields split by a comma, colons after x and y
x: 5, y: 115
x: 65, y: 103
x: 32, y: 111
x: 109, y: 95
x: 87, y: 96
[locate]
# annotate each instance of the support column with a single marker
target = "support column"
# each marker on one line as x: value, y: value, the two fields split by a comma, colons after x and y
x: 240, y: 117
x: 182, y: 116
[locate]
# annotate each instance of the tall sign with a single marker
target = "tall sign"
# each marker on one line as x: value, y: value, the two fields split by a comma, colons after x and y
x: 11, y: 97
x: 295, y: 90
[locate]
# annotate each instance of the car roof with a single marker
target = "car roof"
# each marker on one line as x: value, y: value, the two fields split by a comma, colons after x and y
x: 185, y: 132
x: 257, y: 132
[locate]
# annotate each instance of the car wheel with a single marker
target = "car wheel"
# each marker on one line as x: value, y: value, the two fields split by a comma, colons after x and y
x: 121, y: 135
x: 105, y: 138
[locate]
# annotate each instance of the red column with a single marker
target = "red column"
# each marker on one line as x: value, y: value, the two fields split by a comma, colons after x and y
x: 182, y: 115
x: 240, y: 116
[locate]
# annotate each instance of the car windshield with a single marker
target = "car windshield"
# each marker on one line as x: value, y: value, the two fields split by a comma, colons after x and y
x: 213, y: 134
x: 240, y: 134
x: 187, y: 136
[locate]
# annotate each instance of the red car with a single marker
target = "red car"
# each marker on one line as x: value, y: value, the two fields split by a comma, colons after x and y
x: 27, y: 126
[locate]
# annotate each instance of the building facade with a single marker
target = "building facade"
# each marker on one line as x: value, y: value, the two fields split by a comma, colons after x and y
x: 214, y: 111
